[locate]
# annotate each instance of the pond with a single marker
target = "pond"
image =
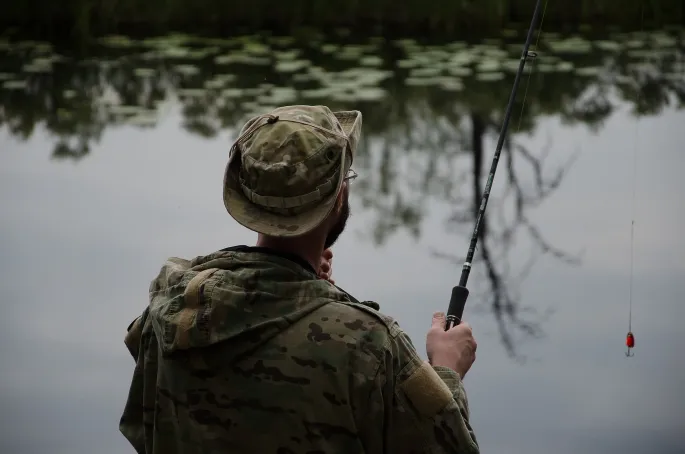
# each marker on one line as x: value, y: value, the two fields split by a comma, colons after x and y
x: 113, y: 162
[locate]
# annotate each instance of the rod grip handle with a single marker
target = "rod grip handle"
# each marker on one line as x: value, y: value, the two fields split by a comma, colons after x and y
x: 456, y: 307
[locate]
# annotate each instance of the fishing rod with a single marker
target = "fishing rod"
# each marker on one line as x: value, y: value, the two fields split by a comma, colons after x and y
x: 460, y: 293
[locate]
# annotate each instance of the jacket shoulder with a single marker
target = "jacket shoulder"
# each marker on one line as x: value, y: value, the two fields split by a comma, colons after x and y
x: 370, y: 309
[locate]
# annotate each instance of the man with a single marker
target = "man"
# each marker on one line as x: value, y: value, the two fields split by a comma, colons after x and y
x: 255, y: 350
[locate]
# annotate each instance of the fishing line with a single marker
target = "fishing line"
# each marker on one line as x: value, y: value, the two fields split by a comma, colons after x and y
x: 630, y: 338
x: 460, y: 293
x: 532, y: 68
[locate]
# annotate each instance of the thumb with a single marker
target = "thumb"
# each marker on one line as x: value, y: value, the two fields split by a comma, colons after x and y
x: 439, y: 320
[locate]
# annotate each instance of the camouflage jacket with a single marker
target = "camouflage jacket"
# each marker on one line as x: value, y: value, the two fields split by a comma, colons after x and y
x: 244, y: 351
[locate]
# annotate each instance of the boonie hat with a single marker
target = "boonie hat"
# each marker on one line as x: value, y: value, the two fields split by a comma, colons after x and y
x: 287, y: 167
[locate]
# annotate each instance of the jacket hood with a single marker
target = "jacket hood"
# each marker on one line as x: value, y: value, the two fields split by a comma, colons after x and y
x: 246, y: 298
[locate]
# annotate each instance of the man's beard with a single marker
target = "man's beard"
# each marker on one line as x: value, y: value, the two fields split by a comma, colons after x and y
x: 339, y: 226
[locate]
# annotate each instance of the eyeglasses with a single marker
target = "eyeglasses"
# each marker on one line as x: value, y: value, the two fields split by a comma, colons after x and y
x: 351, y: 175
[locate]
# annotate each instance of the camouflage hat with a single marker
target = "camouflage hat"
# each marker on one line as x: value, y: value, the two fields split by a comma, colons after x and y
x: 286, y: 168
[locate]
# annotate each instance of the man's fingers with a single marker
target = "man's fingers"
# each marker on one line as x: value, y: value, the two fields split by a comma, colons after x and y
x: 325, y: 266
x: 328, y: 254
x: 439, y: 320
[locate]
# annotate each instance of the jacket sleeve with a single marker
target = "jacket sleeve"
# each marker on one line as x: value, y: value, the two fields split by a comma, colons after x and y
x: 137, y: 418
x: 424, y: 408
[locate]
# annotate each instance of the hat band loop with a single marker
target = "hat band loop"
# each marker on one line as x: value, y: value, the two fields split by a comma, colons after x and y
x: 321, y: 191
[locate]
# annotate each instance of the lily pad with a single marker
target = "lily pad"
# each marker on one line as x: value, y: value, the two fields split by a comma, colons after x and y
x: 489, y: 65
x: 329, y: 48
x: 370, y: 94
x: 187, y: 70
x: 589, y: 71
x: 460, y: 71
x: 490, y: 76
x: 450, y: 84
x: 117, y: 41
x: 304, y: 77
x: 317, y: 93
x: 144, y: 72
x: 291, y: 66
x: 611, y: 46
x: 282, y: 40
x: 565, y: 66
x: 408, y: 63
x: 573, y: 45
x: 371, y: 60
x: 192, y: 92
x: 214, y: 84
x: 255, y: 48
x: 14, y: 84
x: 233, y: 93
x: 279, y: 96
x: 287, y: 55
x: 422, y: 81
x: 241, y: 59
x: 425, y: 72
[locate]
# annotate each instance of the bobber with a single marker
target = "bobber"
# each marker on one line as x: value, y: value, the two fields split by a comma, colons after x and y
x: 630, y: 340
x: 630, y: 343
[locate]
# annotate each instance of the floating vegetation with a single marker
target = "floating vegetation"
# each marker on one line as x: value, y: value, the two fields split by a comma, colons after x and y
x: 287, y: 55
x: 191, y: 92
x: 371, y: 60
x: 490, y: 77
x: 459, y: 71
x: 607, y: 45
x: 573, y: 45
x: 279, y: 96
x: 144, y: 72
x: 489, y: 65
x: 241, y: 58
x: 232, y: 93
x: 117, y: 41
x: 408, y: 63
x: 14, y: 85
x: 187, y: 70
x: 255, y: 73
x: 590, y: 71
x: 291, y: 66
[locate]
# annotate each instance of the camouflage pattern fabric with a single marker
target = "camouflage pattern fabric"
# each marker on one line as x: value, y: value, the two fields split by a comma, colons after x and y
x: 286, y: 168
x: 248, y: 352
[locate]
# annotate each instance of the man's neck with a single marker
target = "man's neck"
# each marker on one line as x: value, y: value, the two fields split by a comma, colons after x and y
x: 308, y: 247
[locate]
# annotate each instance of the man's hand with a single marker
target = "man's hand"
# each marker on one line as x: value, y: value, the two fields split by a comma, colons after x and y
x: 326, y: 266
x: 455, y: 348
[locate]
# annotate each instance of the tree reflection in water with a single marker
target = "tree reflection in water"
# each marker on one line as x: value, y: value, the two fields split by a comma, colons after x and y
x: 427, y: 110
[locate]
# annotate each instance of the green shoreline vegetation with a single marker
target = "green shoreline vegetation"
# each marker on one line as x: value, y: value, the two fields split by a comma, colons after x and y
x: 84, y: 19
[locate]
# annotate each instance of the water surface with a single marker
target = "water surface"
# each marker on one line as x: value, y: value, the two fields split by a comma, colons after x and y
x: 113, y: 163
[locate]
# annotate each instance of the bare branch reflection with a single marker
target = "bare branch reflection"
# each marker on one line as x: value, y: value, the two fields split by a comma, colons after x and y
x: 499, y: 295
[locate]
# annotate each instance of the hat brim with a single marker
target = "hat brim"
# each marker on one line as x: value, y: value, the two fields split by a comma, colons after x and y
x: 259, y: 220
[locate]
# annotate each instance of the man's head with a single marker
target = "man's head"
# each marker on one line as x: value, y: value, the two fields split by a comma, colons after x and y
x: 287, y: 172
